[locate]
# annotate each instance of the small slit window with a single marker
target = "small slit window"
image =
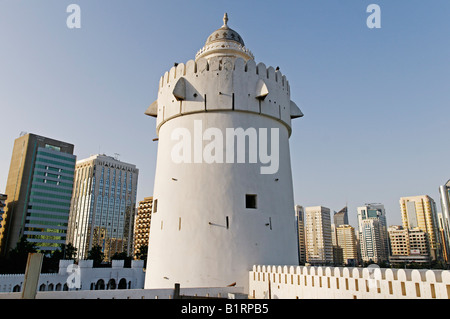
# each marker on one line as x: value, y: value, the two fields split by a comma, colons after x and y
x: 155, y: 206
x: 250, y: 201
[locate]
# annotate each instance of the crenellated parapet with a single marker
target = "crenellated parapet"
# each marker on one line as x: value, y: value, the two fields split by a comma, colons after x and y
x: 223, y: 84
x: 311, y: 282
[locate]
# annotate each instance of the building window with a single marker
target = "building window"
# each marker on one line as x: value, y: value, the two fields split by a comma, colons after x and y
x: 155, y: 206
x: 250, y: 201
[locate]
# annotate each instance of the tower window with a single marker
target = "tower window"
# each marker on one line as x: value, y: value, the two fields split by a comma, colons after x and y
x: 155, y: 206
x: 250, y: 201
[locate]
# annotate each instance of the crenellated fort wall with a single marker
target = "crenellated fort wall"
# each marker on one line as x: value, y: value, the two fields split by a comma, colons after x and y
x: 300, y: 282
x: 223, y: 84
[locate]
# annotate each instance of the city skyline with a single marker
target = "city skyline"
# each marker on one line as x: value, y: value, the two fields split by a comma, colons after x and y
x: 374, y: 99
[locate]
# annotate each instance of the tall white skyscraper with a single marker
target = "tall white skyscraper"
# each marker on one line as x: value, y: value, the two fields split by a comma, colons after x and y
x: 319, y: 245
x: 103, y: 206
x: 373, y: 235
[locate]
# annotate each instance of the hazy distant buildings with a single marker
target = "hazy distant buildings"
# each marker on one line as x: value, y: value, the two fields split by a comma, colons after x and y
x: 346, y: 241
x: 408, y: 246
x: 419, y: 212
x: 142, y: 223
x: 300, y: 217
x: 444, y: 192
x: 319, y: 246
x: 39, y: 188
x: 443, y: 238
x: 341, y: 217
x: 373, y: 235
x: 103, y: 206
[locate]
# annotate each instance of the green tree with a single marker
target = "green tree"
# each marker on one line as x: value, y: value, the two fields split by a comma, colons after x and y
x: 70, y: 252
x: 122, y: 256
x: 18, y: 255
x: 96, y: 255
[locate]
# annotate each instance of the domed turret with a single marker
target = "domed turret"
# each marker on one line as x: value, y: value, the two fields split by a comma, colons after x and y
x: 224, y: 42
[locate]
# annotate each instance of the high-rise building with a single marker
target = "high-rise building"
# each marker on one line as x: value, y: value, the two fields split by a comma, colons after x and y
x: 103, y: 206
x: 419, y: 212
x: 398, y: 240
x: 338, y: 255
x: 39, y: 188
x: 443, y: 238
x: 373, y: 235
x: 444, y: 192
x: 300, y: 216
x: 318, y: 235
x: 3, y: 198
x: 341, y: 217
x: 142, y: 223
x: 345, y: 239
x: 408, y: 245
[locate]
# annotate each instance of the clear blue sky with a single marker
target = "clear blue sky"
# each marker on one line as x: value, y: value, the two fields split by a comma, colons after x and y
x: 376, y: 101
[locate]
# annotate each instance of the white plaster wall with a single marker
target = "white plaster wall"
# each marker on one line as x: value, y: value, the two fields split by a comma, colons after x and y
x: 218, y: 79
x: 354, y: 283
x: 221, y: 292
x: 200, y: 254
x: 135, y: 275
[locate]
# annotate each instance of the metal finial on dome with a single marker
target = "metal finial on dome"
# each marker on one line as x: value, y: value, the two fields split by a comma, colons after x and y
x: 225, y: 20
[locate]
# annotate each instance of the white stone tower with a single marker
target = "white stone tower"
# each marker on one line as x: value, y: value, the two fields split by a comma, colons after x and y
x: 223, y: 197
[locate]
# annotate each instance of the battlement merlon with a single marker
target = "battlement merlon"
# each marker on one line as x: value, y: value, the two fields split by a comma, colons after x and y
x: 223, y: 84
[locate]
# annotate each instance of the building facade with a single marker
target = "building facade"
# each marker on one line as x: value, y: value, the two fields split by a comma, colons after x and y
x: 220, y: 204
x: 373, y: 235
x: 341, y: 217
x: 345, y: 239
x: 300, y: 216
x: 39, y: 188
x: 318, y: 235
x: 103, y: 206
x: 408, y: 245
x: 3, y: 198
x: 419, y: 212
x: 142, y: 223
x: 443, y: 237
x: 444, y: 194
x: 82, y: 276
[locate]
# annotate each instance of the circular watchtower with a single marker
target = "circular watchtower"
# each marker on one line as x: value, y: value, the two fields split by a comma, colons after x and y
x: 223, y: 197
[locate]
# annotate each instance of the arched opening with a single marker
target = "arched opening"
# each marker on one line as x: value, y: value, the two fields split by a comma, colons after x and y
x: 100, y: 285
x: 111, y: 284
x: 16, y: 288
x: 42, y: 287
x: 50, y: 287
x: 58, y: 287
x: 123, y: 283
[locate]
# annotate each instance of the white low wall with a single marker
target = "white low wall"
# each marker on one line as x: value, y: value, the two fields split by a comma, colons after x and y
x: 291, y: 282
x: 221, y: 292
x: 88, y: 277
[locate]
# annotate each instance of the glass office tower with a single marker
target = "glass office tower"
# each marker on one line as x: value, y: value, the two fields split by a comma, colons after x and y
x: 39, y: 190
